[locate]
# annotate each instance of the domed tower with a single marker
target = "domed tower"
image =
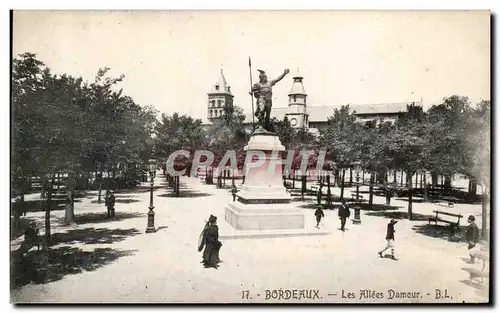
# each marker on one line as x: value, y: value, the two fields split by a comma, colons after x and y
x: 297, y: 104
x: 218, y: 98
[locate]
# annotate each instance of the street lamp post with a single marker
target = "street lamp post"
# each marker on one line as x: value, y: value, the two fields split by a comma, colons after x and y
x: 98, y: 178
x: 151, y: 214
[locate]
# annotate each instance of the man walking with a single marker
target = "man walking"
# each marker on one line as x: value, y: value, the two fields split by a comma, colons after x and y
x: 472, y: 237
x: 234, y: 190
x: 319, y: 214
x: 344, y: 214
x: 390, y: 239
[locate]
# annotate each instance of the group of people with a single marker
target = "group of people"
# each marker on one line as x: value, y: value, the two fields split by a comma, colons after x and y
x: 343, y: 213
x: 471, y: 235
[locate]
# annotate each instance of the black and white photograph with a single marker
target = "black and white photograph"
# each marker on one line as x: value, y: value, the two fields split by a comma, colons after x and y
x: 250, y: 156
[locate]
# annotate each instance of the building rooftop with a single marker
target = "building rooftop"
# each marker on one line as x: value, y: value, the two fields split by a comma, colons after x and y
x: 322, y: 113
x: 221, y: 86
x: 297, y: 86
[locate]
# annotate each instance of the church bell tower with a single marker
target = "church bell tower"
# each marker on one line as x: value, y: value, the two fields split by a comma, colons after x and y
x: 219, y: 98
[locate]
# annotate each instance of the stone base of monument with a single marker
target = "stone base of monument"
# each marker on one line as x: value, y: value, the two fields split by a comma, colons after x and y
x: 264, y: 217
x: 267, y: 221
x: 263, y: 208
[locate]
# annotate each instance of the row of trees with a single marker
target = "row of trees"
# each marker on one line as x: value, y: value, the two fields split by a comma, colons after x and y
x: 448, y: 139
x: 61, y: 124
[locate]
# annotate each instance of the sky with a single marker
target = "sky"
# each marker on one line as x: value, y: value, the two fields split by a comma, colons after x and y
x: 171, y: 59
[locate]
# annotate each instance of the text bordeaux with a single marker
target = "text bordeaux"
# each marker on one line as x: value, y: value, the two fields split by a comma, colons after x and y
x: 287, y: 294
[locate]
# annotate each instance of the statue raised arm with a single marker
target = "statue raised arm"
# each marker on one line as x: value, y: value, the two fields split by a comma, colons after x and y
x: 263, y: 93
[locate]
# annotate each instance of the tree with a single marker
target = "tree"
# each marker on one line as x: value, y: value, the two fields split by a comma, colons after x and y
x: 448, y: 126
x: 286, y: 133
x: 61, y: 125
x: 478, y: 153
x: 228, y: 134
x: 411, y: 146
x: 339, y: 136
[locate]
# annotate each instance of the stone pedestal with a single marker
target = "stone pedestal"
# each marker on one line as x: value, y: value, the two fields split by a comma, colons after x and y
x: 263, y: 202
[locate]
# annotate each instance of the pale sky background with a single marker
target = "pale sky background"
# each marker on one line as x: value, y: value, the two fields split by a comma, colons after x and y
x: 172, y: 59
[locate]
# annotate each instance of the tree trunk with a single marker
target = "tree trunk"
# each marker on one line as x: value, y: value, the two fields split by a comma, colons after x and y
x: 178, y: 189
x: 408, y: 181
x: 473, y: 188
x: 410, y: 213
x: 47, y: 217
x: 434, y: 178
x: 395, y: 179
x: 447, y: 182
x: 99, y: 194
x: 363, y: 176
x: 426, y: 192
x: 402, y: 174
x: 387, y: 189
x: 484, y: 214
x: 304, y: 183
x: 43, y: 193
x: 293, y: 179
x: 342, y: 185
x: 370, y: 202
x: 381, y: 177
x: 350, y: 176
x: 329, y: 192
x: 69, y: 213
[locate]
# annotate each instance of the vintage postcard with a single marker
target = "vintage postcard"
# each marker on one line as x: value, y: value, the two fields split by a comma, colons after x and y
x: 269, y: 157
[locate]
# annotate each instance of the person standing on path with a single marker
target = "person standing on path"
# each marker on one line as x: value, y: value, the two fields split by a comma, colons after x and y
x: 390, y: 239
x: 210, y: 241
x: 472, y: 237
x: 110, y: 204
x: 234, y: 190
x: 344, y: 214
x: 388, y: 195
x: 319, y: 215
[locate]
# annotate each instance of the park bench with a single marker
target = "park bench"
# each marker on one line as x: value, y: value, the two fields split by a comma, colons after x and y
x: 484, y: 271
x: 438, y: 219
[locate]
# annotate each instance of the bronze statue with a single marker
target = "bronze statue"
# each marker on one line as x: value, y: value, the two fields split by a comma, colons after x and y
x: 263, y: 93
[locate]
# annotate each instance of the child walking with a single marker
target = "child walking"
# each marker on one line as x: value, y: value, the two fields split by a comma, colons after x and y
x: 390, y: 239
x: 319, y: 214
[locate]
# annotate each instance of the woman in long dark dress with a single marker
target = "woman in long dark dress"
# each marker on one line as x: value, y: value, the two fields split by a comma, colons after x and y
x: 211, y: 243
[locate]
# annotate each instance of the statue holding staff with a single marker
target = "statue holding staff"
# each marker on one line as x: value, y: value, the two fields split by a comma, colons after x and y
x: 263, y: 93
